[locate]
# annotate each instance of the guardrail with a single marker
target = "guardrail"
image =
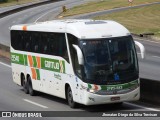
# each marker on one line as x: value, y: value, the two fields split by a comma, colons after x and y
x: 150, y: 89
x: 5, y: 51
x: 14, y: 10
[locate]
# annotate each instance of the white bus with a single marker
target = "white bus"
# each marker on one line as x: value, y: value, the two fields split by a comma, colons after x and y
x: 84, y: 61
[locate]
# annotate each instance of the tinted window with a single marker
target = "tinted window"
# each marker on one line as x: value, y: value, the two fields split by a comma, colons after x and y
x: 40, y: 42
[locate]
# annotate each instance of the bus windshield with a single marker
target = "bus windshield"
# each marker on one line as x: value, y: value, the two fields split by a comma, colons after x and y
x: 109, y: 60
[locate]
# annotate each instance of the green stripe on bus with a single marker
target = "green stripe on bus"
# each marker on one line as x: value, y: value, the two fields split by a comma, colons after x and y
x: 17, y: 58
x: 51, y: 64
x: 118, y: 86
x: 89, y: 86
x: 46, y: 63
x: 38, y: 74
x: 103, y: 87
x: 25, y: 60
x: 34, y: 61
x: 64, y: 69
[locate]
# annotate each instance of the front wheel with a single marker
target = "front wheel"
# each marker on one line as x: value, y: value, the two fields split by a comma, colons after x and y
x: 71, y: 102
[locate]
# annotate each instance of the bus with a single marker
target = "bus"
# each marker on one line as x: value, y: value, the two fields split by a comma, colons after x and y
x: 86, y: 61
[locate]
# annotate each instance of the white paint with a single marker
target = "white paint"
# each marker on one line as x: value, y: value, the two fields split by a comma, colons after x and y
x: 34, y: 103
x: 43, y: 15
x: 151, y: 109
x: 148, y: 40
x: 156, y: 56
x: 5, y: 64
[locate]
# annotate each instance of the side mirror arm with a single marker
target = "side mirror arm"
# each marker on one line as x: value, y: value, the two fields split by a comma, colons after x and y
x: 79, y: 54
x: 142, y: 49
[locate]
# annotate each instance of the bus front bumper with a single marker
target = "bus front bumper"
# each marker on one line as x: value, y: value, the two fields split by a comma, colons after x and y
x: 94, y: 99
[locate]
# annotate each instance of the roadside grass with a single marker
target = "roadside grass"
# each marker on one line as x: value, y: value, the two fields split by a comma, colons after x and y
x: 14, y: 2
x: 138, y: 20
x: 100, y: 5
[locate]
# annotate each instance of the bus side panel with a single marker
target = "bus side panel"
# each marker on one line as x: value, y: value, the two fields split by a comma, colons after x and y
x: 33, y: 71
x: 16, y: 72
x: 17, y: 66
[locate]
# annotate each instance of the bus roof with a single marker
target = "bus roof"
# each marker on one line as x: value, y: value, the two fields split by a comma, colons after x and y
x: 83, y: 29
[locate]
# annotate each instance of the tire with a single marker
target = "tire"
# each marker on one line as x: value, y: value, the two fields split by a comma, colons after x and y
x: 30, y: 88
x: 25, y: 85
x: 70, y: 100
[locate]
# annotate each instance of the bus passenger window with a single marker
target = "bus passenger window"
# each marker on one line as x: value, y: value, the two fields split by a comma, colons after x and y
x: 61, y: 46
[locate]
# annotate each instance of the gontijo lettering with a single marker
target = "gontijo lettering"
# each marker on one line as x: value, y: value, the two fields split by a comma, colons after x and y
x: 52, y: 65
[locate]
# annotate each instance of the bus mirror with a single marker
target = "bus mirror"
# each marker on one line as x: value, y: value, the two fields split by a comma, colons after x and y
x: 142, y: 48
x: 79, y: 54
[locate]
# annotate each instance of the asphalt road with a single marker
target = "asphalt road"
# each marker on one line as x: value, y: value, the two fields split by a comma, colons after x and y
x: 12, y: 96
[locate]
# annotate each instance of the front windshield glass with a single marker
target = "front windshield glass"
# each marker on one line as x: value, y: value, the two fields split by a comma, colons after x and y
x: 109, y: 60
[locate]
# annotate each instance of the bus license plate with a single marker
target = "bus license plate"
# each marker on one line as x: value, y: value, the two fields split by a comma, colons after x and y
x: 115, y: 98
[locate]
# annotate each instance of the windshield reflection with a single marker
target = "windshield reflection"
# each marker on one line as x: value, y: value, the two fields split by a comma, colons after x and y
x: 105, y: 58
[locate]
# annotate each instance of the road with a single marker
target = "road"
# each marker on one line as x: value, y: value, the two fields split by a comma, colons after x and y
x: 12, y: 96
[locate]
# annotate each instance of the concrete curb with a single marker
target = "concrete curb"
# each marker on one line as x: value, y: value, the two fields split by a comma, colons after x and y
x: 14, y: 10
x: 5, y: 51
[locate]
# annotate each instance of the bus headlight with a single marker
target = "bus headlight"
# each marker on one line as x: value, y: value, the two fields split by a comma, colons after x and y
x: 91, y: 90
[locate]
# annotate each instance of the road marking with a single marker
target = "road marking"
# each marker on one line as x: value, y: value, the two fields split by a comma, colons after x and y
x: 147, y: 40
x: 5, y: 64
x: 151, y: 109
x: 156, y: 56
x: 43, y: 15
x: 34, y: 103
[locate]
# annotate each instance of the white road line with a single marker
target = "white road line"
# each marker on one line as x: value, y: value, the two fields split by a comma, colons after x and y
x: 151, y: 109
x: 147, y: 40
x: 156, y: 56
x: 43, y: 15
x: 5, y: 64
x: 34, y: 103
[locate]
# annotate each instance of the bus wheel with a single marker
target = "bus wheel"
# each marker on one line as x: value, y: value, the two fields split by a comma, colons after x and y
x: 25, y: 85
x: 71, y: 103
x: 31, y: 91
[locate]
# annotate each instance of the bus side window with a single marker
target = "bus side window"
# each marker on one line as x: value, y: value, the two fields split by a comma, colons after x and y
x: 44, y: 43
x: 36, y: 42
x: 61, y: 46
x: 13, y: 38
x: 27, y: 41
